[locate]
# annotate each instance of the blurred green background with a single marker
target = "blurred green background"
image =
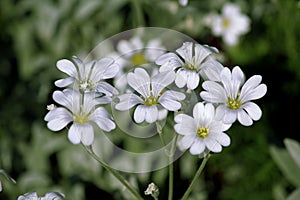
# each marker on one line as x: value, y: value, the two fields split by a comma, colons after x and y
x: 35, y: 34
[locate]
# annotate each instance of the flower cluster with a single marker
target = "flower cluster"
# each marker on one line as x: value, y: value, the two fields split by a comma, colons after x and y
x: 224, y: 96
x: 81, y: 103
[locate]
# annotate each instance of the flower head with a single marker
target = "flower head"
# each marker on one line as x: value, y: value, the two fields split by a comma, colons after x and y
x: 152, y: 190
x: 230, y: 24
x: 234, y: 96
x: 135, y: 52
x: 203, y: 131
x: 80, y: 109
x: 193, y: 61
x: 152, y: 95
x: 88, y: 77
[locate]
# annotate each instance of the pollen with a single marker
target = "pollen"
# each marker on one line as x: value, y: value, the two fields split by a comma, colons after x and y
x: 202, y: 132
x: 190, y: 67
x: 80, y: 119
x: 225, y: 22
x: 234, y: 104
x: 138, y: 59
x: 151, y: 100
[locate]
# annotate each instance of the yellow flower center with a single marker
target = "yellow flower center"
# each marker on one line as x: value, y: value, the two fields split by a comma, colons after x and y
x: 234, y: 104
x: 138, y: 59
x: 190, y: 67
x: 202, y: 132
x: 225, y: 22
x: 151, y: 100
x: 80, y: 119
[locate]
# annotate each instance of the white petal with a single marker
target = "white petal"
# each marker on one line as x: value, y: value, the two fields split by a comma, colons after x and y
x: 181, y: 78
x: 192, y: 80
x: 186, y: 129
x: 220, y: 112
x: 253, y: 110
x: 106, y: 68
x: 140, y: 113
x: 215, y: 92
x: 64, y: 82
x: 186, y: 142
x: 127, y: 101
x: 74, y: 134
x: 238, y: 75
x: 60, y: 121
x: 183, y: 118
x: 198, y: 112
x: 212, y: 145
x: 87, y: 134
x: 106, y: 88
x: 63, y: 99
x: 211, y: 70
x: 200, y: 53
x: 102, y: 118
x: 223, y: 139
x: 162, y: 114
x: 186, y: 51
x: 252, y: 94
x: 169, y: 100
x: 151, y: 114
x: 139, y: 81
x: 244, y: 118
x: 161, y: 80
x: 197, y: 147
x: 67, y: 67
x: 169, y: 61
x: 230, y: 116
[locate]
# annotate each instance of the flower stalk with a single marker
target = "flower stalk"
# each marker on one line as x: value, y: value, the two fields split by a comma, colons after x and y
x: 188, y: 191
x: 116, y: 174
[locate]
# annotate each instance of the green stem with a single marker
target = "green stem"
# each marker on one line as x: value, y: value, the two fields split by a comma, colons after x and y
x: 187, y: 192
x: 138, y: 13
x: 171, y: 169
x: 114, y: 173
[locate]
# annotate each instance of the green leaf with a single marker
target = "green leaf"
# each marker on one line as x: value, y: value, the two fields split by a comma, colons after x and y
x: 293, y: 148
x: 295, y: 195
x: 7, y: 176
x: 286, y: 164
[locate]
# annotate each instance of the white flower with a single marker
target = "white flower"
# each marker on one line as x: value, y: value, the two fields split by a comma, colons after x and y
x: 234, y: 96
x: 152, y: 96
x: 230, y: 24
x: 195, y: 61
x: 152, y: 189
x: 135, y: 52
x: 183, y: 2
x: 48, y: 196
x: 88, y: 77
x: 29, y: 196
x: 203, y: 131
x: 81, y: 110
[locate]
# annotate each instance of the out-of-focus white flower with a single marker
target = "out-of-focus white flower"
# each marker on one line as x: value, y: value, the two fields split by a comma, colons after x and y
x: 51, y: 107
x: 0, y: 186
x: 203, y: 131
x: 88, y: 77
x: 230, y: 24
x: 153, y: 96
x: 194, y: 61
x: 48, y: 196
x: 183, y: 2
x: 80, y: 108
x: 135, y: 52
x: 234, y: 96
